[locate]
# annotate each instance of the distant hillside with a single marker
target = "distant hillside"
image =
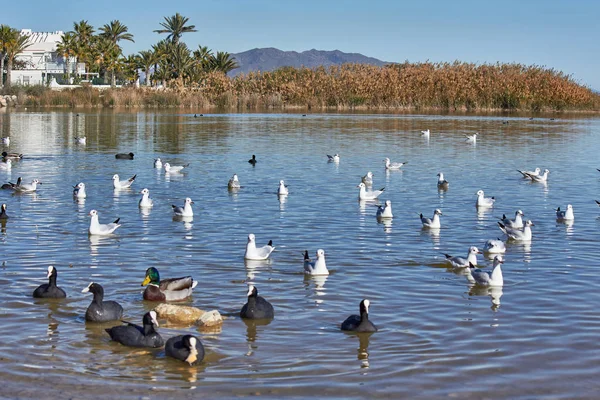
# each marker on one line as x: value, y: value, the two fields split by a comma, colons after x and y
x: 268, y: 59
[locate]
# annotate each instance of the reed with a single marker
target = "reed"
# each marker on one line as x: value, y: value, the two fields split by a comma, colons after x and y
x: 412, y: 86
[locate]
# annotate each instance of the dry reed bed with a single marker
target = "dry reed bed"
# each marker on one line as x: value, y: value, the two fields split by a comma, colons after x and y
x: 451, y: 86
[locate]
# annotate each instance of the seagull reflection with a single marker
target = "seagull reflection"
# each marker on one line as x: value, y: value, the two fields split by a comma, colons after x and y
x: 80, y: 203
x: 145, y: 212
x: 387, y: 224
x: 434, y: 235
x: 363, y: 349
x: 319, y: 282
x: 253, y: 268
x: 282, y: 200
x: 495, y: 293
x: 187, y: 221
x: 97, y: 240
x: 482, y: 214
x: 123, y: 191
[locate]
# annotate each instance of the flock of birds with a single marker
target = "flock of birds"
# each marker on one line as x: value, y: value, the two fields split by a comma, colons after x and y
x: 188, y: 348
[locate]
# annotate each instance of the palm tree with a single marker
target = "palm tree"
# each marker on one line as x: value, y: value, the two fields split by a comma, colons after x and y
x: 130, y: 68
x: 14, y: 44
x: 67, y: 48
x: 115, y: 32
x: 162, y: 68
x: 84, y: 34
x: 147, y: 60
x: 175, y: 27
x: 181, y: 61
x: 202, y: 57
x: 223, y: 62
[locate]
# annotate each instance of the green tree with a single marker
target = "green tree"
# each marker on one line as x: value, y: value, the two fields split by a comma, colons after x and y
x: 175, y: 27
x: 114, y: 32
x: 223, y: 62
x: 6, y: 33
x: 147, y: 60
x: 84, y: 35
x: 14, y: 44
x: 67, y: 49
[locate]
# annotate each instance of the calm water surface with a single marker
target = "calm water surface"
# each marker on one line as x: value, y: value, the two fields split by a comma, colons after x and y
x: 536, y: 337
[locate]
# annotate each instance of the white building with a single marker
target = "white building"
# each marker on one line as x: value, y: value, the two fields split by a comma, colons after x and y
x: 42, y: 61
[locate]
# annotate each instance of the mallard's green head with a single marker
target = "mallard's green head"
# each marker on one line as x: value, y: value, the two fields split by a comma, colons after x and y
x: 152, y: 277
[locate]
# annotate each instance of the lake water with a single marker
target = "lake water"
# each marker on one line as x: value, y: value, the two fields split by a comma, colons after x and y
x: 536, y: 337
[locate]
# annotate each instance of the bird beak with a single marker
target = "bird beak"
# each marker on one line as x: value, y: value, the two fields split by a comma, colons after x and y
x: 146, y: 281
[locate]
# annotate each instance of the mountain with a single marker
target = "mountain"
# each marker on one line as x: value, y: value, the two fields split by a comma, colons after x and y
x: 268, y: 59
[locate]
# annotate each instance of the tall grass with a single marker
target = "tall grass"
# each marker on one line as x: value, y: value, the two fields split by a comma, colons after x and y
x: 444, y: 86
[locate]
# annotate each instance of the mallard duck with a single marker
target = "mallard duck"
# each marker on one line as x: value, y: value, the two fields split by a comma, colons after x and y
x: 174, y: 289
x: 138, y: 336
x: 11, y: 156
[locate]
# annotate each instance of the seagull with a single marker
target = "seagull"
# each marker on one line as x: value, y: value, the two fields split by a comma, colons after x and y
x: 483, y: 201
x: 385, y: 211
x: 80, y: 140
x: 96, y: 228
x: 334, y: 158
x: 425, y: 134
x: 442, y: 183
x: 6, y: 140
x: 6, y: 166
x: 393, y: 166
x: 233, y: 183
x: 158, y: 163
x: 434, y: 222
x: 484, y: 278
x: 175, y: 168
x: 283, y: 190
x: 368, y: 179
x: 472, y: 138
x: 529, y: 174
x: 513, y: 223
x: 260, y: 253
x: 117, y: 184
x: 363, y: 194
x: 566, y: 215
x: 186, y: 210
x: 494, y: 246
x: 518, y: 234
x: 145, y: 201
x: 79, y: 191
x: 460, y: 262
x: 540, y: 178
x: 27, y: 187
x: 597, y: 202
x: 317, y: 267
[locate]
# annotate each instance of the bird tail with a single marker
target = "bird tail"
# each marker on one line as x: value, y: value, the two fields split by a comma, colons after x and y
x: 117, y: 221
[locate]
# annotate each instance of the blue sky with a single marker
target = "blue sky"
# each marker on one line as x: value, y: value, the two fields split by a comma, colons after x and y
x: 563, y: 35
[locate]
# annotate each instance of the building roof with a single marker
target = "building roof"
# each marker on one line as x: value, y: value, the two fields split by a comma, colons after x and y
x: 42, y: 41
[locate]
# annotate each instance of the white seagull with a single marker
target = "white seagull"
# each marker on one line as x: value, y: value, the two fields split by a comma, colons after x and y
x: 158, y: 163
x: 472, y: 138
x: 385, y: 211
x: 566, y: 215
x: 393, y: 166
x: 483, y: 201
x: 523, y: 235
x: 175, y: 168
x: 28, y: 187
x: 494, y: 246
x: 442, y: 183
x: 460, y: 262
x: 96, y: 228
x: 368, y: 179
x: 425, y: 134
x: 334, y: 158
x: 484, y: 278
x: 513, y: 223
x: 529, y: 174
x: 145, y: 201
x: 433, y: 223
x: 79, y: 191
x: 365, y: 194
x: 317, y: 267
x: 6, y: 166
x: 80, y: 140
x: 283, y: 189
x: 6, y: 140
x: 260, y: 253
x: 186, y: 210
x: 118, y: 184
x: 543, y: 178
x: 233, y: 183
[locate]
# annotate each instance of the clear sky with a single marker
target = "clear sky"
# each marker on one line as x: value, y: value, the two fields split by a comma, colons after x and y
x: 564, y: 35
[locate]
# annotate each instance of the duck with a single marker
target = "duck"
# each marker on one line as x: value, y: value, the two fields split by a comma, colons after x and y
x: 360, y: 323
x: 334, y: 158
x: 494, y: 246
x: 252, y: 160
x: 96, y: 228
x: 138, y: 336
x: 459, y: 262
x: 158, y: 163
x: 393, y: 166
x: 513, y: 223
x: 100, y: 310
x: 12, y: 186
x: 483, y: 201
x: 233, y: 183
x: 145, y: 201
x: 432, y: 223
x: 173, y: 289
x: 79, y: 191
x: 3, y: 214
x: 119, y: 184
x: 174, y: 168
x: 368, y: 179
x: 257, y: 253
x: 442, y: 183
x: 187, y: 348
x: 566, y: 215
x: 124, y: 156
x: 364, y: 194
x: 6, y: 165
x: 50, y: 290
x: 283, y: 189
x: 385, y: 211
x: 317, y: 267
x: 186, y: 210
x: 256, y: 307
x: 518, y: 234
x: 484, y: 278
x: 11, y: 156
